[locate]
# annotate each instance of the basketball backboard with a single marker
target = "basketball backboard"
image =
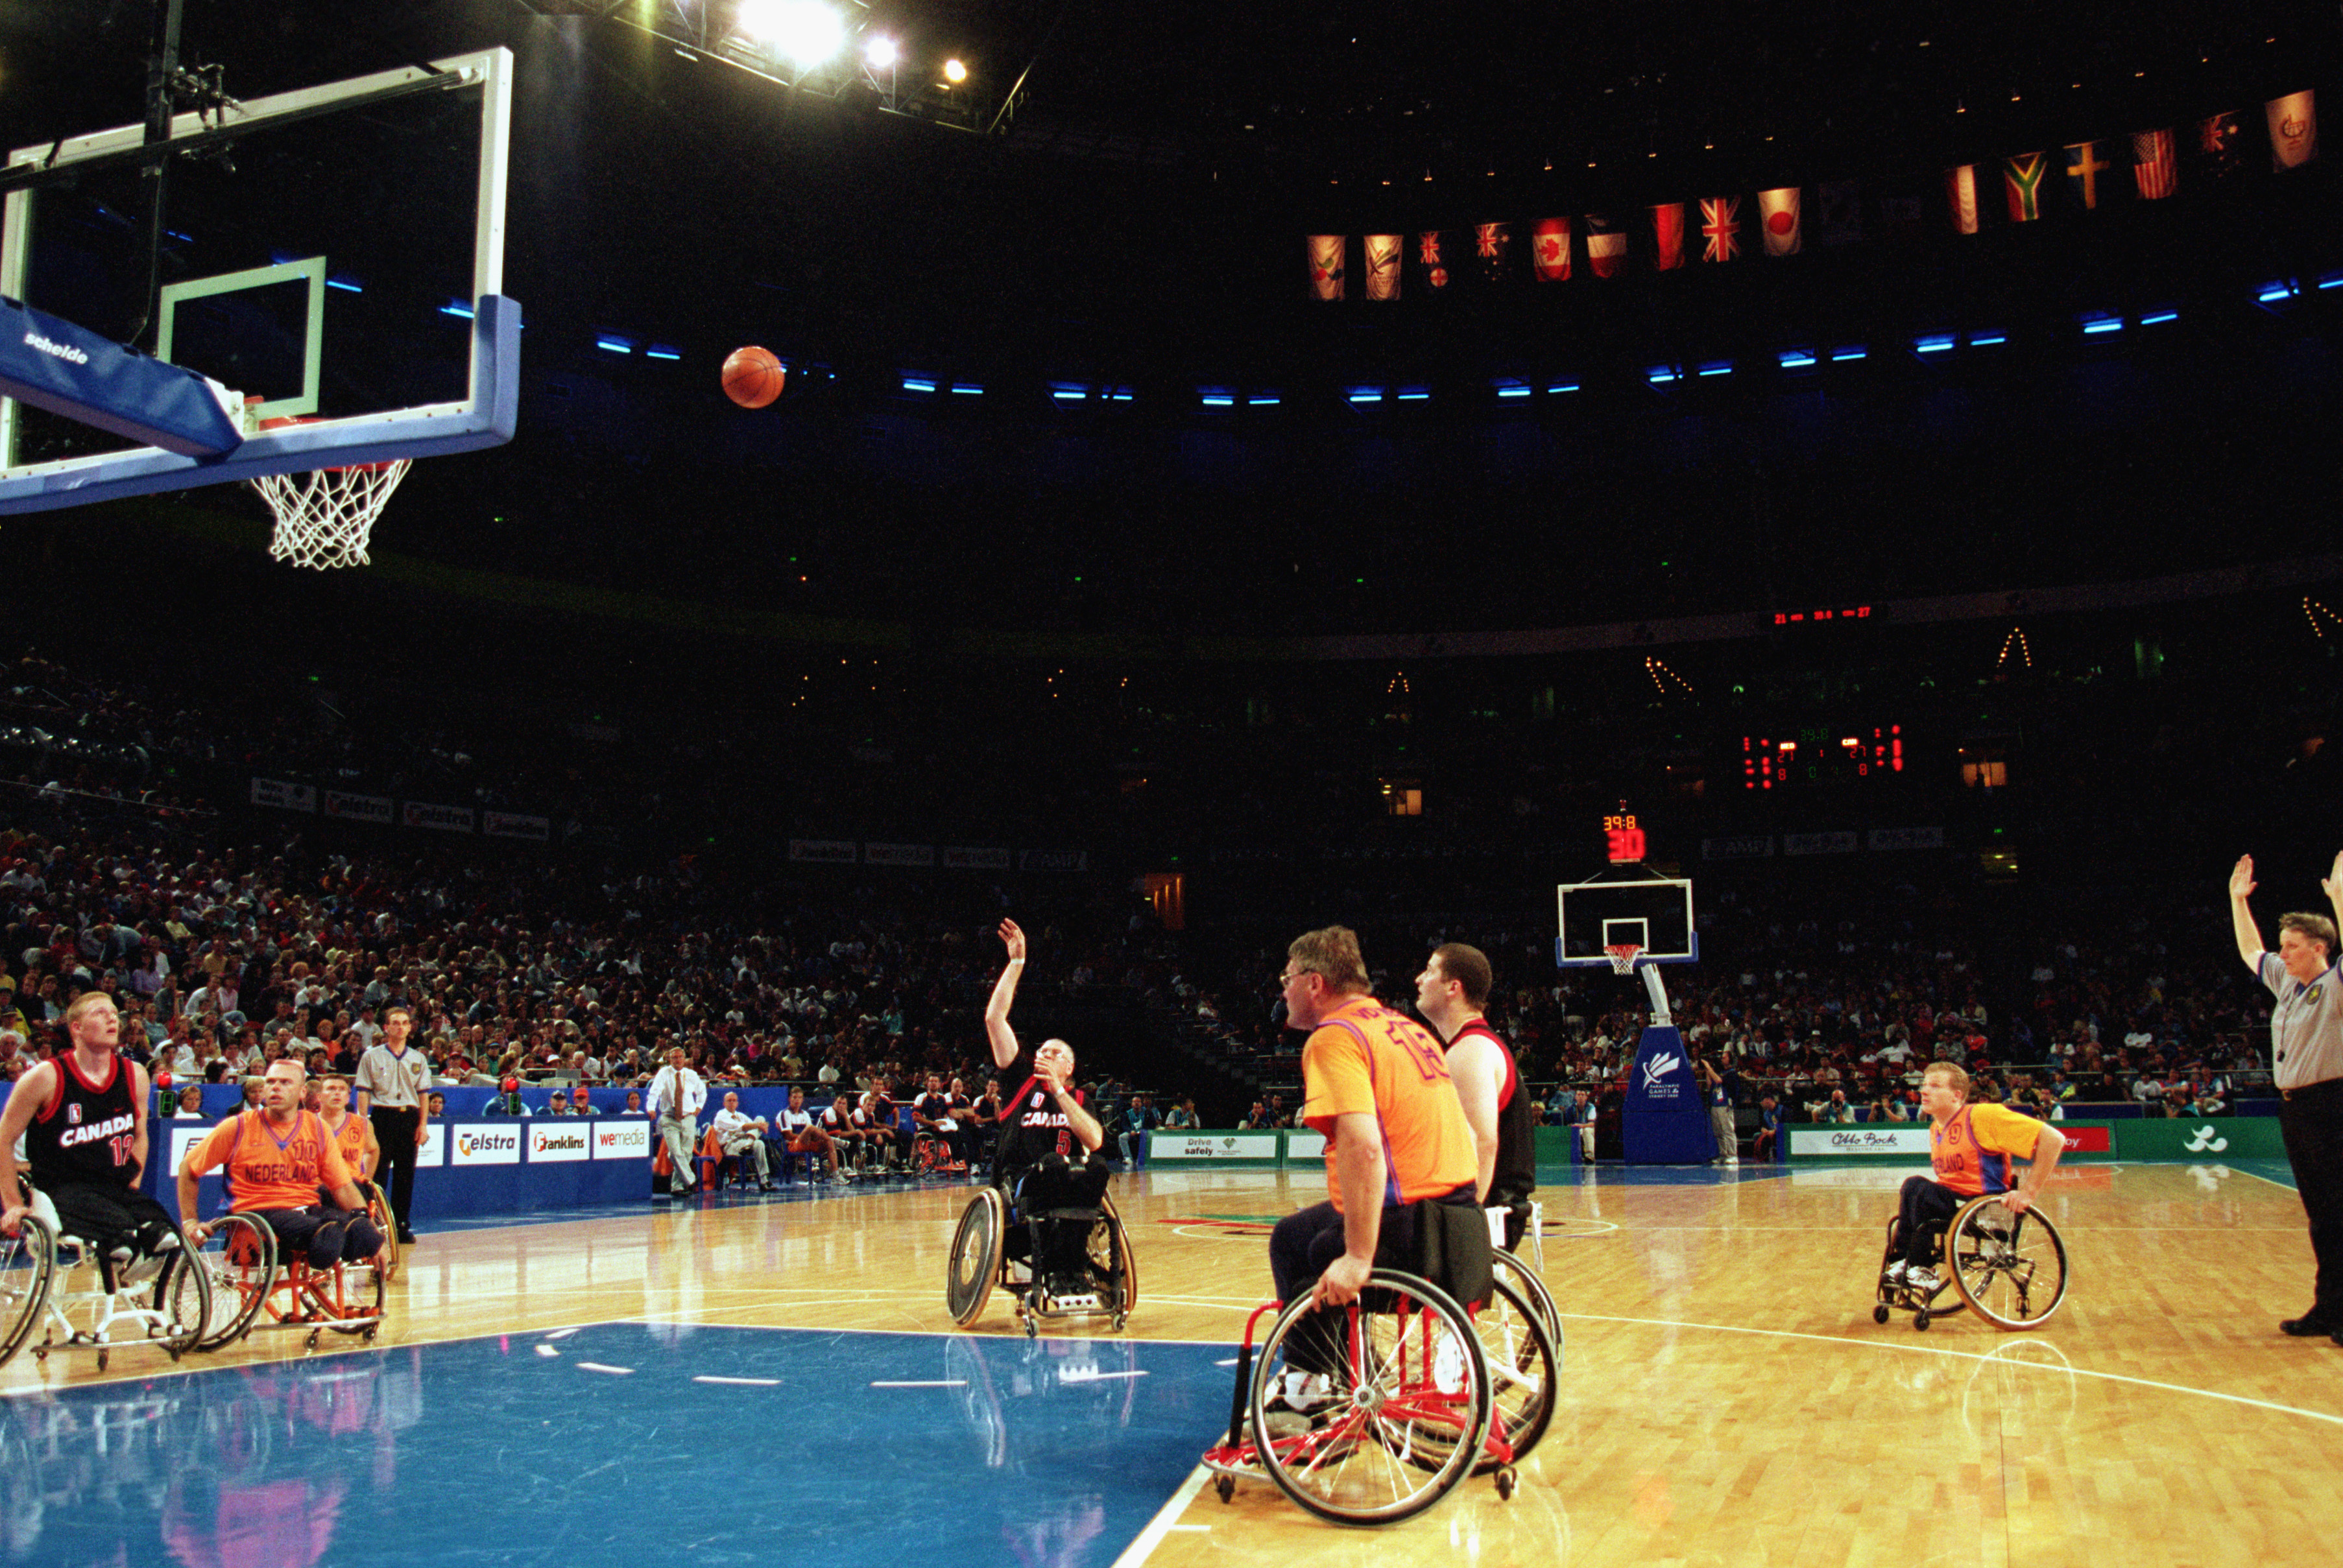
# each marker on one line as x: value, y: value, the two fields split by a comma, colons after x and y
x: 1630, y: 906
x: 335, y: 252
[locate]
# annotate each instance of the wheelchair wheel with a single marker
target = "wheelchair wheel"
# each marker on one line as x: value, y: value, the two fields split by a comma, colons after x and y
x: 1409, y: 1409
x: 2010, y: 1268
x: 241, y: 1258
x: 1522, y: 1360
x: 28, y: 1261
x: 1531, y: 1289
x: 975, y: 1256
x: 377, y: 1211
x: 351, y: 1296
x: 182, y: 1294
x: 1111, y: 1259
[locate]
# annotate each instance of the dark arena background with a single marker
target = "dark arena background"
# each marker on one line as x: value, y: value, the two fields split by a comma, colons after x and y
x: 1243, y: 469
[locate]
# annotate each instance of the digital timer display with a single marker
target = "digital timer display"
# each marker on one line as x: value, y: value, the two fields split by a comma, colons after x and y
x: 1821, y: 757
x: 1622, y: 836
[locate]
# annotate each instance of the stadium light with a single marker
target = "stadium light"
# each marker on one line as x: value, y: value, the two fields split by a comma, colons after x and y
x: 806, y: 32
x: 954, y: 72
x: 882, y: 53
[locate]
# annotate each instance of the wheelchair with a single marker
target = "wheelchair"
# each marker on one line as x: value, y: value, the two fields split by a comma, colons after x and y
x: 982, y: 1256
x: 253, y: 1286
x: 2008, y: 1269
x: 80, y: 1298
x: 1420, y: 1392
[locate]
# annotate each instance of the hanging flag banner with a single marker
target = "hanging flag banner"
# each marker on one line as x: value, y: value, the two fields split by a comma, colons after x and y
x: 1720, y: 228
x: 1494, y: 242
x: 2293, y: 130
x: 2154, y: 171
x: 1606, y: 246
x: 1960, y: 194
x: 1667, y: 236
x: 2217, y: 145
x: 2084, y: 167
x: 2021, y: 178
x: 1430, y: 270
x: 1903, y: 209
x: 1550, y: 249
x: 1838, y: 212
x: 1383, y: 266
x: 1326, y: 265
x: 1778, y: 211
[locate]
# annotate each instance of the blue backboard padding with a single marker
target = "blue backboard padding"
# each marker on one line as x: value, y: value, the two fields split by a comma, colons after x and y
x: 52, y: 364
x: 491, y: 419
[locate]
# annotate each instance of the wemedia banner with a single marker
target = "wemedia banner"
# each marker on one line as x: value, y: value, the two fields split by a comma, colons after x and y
x: 506, y: 825
x: 828, y: 851
x: 487, y: 1145
x: 920, y: 855
x: 970, y: 858
x: 1905, y: 1142
x: 349, y: 808
x: 284, y: 795
x: 1212, y: 1146
x: 622, y: 1139
x: 561, y: 1138
x: 442, y: 819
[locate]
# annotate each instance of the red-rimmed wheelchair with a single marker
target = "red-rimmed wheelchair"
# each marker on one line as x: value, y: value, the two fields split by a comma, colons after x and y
x: 254, y: 1287
x: 1369, y: 1413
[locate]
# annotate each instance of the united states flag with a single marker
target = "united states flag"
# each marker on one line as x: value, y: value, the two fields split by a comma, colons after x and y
x: 2153, y: 166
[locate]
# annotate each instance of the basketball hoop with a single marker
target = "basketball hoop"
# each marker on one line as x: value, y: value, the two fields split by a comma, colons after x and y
x: 1623, y: 956
x: 325, y: 517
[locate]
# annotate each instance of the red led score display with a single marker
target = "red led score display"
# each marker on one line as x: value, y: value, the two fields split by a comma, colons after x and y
x: 1788, y: 616
x: 1821, y: 757
x: 1624, y: 838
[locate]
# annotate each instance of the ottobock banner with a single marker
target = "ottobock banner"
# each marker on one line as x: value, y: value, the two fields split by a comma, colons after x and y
x: 284, y: 796
x: 830, y: 851
x: 1903, y: 1140
x: 507, y: 825
x: 971, y: 858
x: 922, y: 855
x: 442, y: 819
x: 349, y: 808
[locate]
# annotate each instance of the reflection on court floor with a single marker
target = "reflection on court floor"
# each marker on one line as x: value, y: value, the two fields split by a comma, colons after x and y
x: 618, y: 1444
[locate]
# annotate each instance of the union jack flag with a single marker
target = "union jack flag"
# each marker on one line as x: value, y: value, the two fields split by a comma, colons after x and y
x: 1720, y: 228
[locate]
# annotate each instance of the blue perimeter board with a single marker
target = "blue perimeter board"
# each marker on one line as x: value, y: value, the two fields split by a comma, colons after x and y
x: 506, y: 1450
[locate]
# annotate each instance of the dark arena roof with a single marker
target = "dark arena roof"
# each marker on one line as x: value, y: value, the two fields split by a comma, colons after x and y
x: 1081, y: 517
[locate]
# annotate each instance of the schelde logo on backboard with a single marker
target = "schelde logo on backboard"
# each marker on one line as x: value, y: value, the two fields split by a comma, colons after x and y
x: 55, y: 350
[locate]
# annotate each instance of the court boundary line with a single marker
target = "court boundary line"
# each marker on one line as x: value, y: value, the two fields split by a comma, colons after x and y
x: 1145, y: 1543
x: 2335, y: 1419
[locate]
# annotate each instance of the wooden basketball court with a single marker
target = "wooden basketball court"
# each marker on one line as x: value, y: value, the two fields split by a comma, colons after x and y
x: 1726, y: 1397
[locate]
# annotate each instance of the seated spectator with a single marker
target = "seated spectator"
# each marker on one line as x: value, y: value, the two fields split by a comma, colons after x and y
x: 800, y: 1136
x: 1835, y: 1111
x: 505, y: 1101
x: 1769, y: 1128
x: 742, y: 1137
x: 558, y: 1102
x: 190, y: 1104
x: 634, y: 1106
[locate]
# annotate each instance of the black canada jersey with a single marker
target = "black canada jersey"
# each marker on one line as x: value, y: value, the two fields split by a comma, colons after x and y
x: 1033, y: 1128
x: 84, y: 1133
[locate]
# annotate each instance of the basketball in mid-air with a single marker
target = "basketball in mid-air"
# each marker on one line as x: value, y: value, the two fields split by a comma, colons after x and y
x: 752, y: 377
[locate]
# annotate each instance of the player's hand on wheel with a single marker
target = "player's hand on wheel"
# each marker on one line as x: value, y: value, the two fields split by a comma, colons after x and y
x: 1340, y: 1285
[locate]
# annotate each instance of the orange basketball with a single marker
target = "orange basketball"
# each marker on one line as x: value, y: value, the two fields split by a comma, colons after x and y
x: 752, y: 377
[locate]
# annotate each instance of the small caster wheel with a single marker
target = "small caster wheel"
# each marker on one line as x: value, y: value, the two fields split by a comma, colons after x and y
x: 101, y: 1360
x: 313, y: 1339
x: 1226, y: 1486
x: 1120, y: 1319
x: 1920, y: 1320
x: 367, y: 1336
x: 1879, y: 1313
x: 1506, y: 1480
x: 1032, y: 1326
x: 175, y: 1351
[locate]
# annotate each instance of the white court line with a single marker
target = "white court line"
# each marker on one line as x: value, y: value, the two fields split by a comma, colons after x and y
x: 597, y: 1366
x: 2332, y: 1420
x: 1229, y: 1362
x: 1100, y: 1376
x: 560, y: 1333
x: 1161, y: 1524
x: 547, y: 1350
x: 918, y: 1383
x: 740, y: 1382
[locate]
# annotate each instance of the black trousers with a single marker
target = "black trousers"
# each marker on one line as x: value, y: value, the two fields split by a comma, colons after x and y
x: 1925, y: 1208
x: 2311, y: 1121
x: 325, y: 1236
x: 394, y: 1128
x: 109, y: 1217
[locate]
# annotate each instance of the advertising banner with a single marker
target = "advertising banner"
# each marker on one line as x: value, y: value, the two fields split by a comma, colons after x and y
x: 443, y: 818
x: 284, y: 796
x: 920, y: 855
x: 507, y: 825
x: 971, y: 858
x: 1212, y: 1146
x: 349, y: 808
x: 828, y: 851
x: 629, y: 1139
x: 557, y: 1138
x: 487, y: 1143
x: 1904, y: 1140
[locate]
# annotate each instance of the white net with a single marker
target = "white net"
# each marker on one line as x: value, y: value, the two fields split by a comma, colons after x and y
x: 325, y: 517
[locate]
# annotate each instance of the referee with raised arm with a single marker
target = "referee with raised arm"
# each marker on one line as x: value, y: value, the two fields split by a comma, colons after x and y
x: 2307, y: 1065
x: 391, y: 1084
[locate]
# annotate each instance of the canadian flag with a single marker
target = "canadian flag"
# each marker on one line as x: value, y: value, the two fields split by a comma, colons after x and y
x: 1550, y: 249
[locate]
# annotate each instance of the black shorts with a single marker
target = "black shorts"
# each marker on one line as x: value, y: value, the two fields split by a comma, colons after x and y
x: 108, y: 1217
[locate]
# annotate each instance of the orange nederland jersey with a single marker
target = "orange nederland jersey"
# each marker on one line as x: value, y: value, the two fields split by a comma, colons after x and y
x: 1365, y: 1059
x: 350, y: 1144
x: 1972, y: 1150
x: 266, y: 1173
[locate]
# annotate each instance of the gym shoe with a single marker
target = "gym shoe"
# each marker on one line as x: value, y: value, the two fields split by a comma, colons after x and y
x: 1923, y: 1281
x: 1897, y: 1271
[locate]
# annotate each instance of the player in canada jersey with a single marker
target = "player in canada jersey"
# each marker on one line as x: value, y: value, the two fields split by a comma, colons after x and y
x: 82, y: 1118
x: 1451, y: 993
x: 1974, y: 1149
x: 1048, y: 1135
x: 278, y: 1159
